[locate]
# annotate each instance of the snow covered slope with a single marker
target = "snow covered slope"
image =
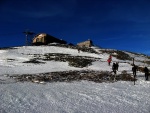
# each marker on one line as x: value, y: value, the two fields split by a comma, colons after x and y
x: 73, y: 97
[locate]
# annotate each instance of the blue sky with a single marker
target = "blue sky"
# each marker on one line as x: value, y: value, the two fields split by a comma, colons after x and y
x: 115, y: 24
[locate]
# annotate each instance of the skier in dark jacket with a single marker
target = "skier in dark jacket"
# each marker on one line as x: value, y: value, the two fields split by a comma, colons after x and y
x: 117, y: 66
x: 134, y: 69
x: 146, y: 73
x: 114, y: 68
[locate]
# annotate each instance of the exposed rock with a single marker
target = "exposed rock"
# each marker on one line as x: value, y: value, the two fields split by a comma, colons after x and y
x: 34, y: 61
x: 69, y: 76
x: 75, y: 61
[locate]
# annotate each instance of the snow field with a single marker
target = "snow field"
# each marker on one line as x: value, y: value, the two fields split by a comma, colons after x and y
x: 73, y: 97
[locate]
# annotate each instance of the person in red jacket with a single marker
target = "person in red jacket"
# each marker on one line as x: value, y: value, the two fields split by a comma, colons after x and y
x: 109, y: 60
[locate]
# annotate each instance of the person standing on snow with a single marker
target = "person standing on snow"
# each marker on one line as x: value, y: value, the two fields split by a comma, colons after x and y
x: 109, y: 60
x: 134, y: 69
x: 117, y: 66
x: 146, y: 73
x: 114, y: 68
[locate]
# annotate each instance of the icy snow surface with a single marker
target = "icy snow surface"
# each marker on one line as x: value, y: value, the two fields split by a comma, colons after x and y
x: 63, y: 97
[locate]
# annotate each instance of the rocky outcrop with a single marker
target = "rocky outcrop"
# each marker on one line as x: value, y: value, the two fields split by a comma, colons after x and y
x: 69, y: 76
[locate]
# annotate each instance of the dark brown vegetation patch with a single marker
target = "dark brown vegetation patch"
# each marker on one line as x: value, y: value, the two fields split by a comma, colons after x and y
x: 34, y: 61
x: 75, y: 61
x: 119, y: 54
x: 69, y: 76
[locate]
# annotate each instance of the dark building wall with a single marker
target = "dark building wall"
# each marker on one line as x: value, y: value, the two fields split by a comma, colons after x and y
x: 51, y: 39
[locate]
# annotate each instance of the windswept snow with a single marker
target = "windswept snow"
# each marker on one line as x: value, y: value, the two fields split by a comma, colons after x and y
x: 76, y: 97
x: 73, y: 97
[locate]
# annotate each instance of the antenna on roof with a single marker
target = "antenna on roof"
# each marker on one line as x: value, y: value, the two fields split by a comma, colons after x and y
x: 28, y: 39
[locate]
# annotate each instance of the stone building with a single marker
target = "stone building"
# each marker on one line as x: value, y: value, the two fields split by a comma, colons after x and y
x: 45, y: 39
x: 87, y: 43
